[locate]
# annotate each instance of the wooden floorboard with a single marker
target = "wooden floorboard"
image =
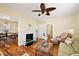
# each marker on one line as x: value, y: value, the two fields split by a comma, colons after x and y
x: 15, y: 50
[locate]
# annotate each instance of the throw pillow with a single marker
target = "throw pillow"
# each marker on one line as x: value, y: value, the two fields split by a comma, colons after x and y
x: 69, y: 41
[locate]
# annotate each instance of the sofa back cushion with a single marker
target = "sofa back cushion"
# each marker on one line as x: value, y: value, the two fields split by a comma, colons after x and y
x: 75, y: 43
x: 63, y: 36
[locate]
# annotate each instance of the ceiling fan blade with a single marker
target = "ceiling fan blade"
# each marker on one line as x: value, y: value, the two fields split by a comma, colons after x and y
x: 36, y: 10
x: 42, y: 6
x: 50, y: 8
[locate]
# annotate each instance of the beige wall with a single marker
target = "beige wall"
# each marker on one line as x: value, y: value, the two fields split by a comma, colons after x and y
x: 23, y: 23
x: 60, y: 24
x: 77, y: 24
x: 13, y: 27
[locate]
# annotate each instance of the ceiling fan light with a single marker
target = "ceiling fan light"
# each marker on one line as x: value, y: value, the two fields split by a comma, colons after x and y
x: 39, y: 14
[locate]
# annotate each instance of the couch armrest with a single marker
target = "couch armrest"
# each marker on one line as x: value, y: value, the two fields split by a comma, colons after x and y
x: 65, y: 50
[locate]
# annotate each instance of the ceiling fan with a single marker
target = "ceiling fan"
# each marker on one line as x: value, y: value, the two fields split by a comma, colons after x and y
x: 43, y: 9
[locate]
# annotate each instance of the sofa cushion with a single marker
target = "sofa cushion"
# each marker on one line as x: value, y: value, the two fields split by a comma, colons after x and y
x: 65, y: 50
x: 75, y: 44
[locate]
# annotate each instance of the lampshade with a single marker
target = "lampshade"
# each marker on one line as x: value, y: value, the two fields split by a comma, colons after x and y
x: 71, y: 31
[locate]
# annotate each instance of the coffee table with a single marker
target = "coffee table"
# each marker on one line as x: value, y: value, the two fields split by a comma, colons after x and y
x: 39, y: 50
x: 45, y: 50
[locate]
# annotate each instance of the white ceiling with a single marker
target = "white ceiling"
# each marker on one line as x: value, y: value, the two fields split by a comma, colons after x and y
x: 62, y: 9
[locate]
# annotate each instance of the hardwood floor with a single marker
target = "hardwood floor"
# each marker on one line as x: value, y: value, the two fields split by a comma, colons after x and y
x: 15, y: 50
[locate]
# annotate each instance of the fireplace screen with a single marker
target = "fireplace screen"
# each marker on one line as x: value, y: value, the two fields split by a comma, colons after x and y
x: 29, y: 37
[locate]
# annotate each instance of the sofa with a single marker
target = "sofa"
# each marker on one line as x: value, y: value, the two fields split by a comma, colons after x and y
x: 69, y: 49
